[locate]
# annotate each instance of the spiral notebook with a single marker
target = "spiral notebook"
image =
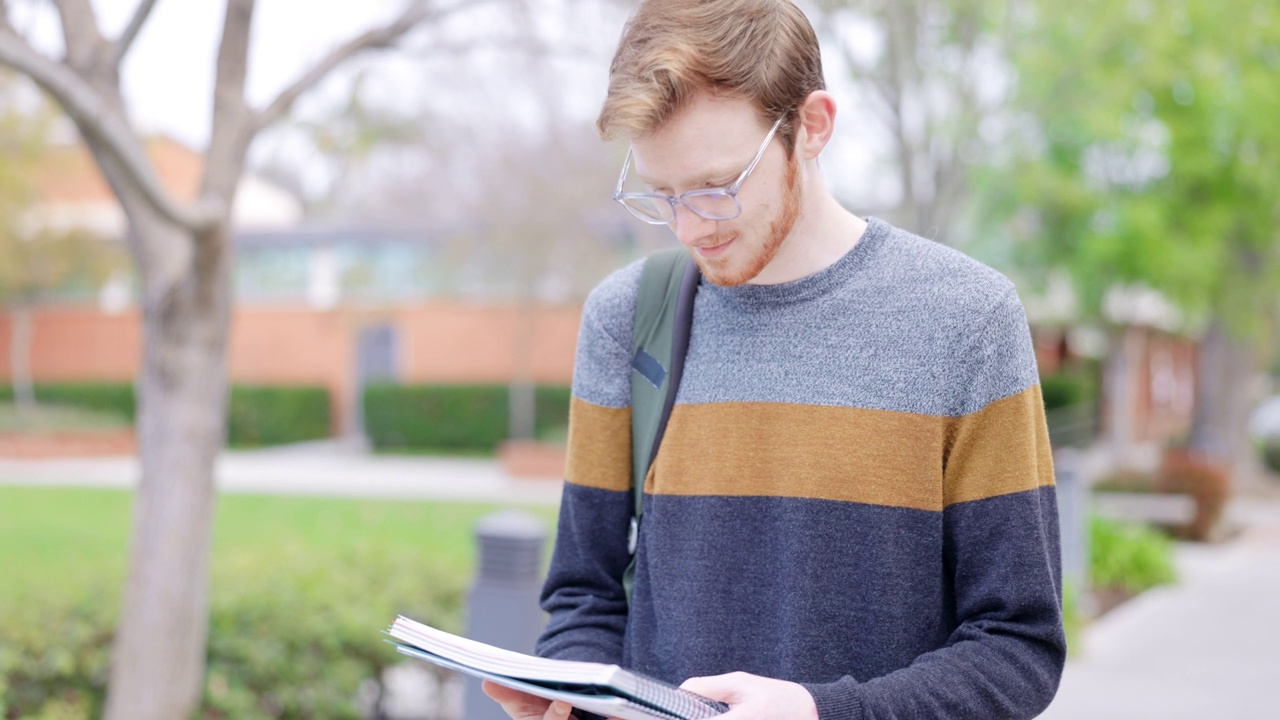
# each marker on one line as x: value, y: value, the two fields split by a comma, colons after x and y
x: 607, y: 690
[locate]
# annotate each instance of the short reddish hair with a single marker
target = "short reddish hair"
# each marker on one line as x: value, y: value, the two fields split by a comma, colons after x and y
x: 764, y: 51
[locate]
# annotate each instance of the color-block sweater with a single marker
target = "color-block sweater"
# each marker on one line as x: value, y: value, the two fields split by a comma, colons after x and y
x: 855, y: 492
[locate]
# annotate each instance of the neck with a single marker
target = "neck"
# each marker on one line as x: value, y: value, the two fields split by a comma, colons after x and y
x: 824, y: 232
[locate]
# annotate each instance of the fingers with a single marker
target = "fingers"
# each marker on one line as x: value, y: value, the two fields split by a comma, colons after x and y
x: 523, y: 706
x: 501, y: 693
x: 558, y: 710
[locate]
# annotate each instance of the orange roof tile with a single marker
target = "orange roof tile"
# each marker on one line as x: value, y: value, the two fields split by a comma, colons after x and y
x: 68, y: 174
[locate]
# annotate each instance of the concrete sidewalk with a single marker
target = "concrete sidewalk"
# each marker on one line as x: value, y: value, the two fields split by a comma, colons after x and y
x: 1208, y: 647
x: 321, y: 469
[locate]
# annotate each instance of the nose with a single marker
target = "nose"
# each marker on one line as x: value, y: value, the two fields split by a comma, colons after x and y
x: 690, y: 227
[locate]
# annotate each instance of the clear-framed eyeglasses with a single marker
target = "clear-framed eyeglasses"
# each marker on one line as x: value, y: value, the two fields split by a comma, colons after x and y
x: 711, y: 203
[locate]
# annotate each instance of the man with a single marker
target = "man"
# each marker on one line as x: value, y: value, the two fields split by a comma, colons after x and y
x: 852, y: 512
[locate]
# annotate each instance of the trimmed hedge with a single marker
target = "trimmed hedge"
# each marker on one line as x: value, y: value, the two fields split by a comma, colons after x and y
x: 1069, y: 387
x: 428, y: 417
x: 113, y: 398
x: 275, y: 415
x: 454, y: 417
x: 552, y: 404
x: 257, y: 415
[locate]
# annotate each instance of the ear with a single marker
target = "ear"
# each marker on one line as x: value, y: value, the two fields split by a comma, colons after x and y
x: 817, y: 121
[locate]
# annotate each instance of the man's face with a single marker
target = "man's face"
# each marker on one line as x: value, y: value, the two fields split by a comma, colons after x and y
x: 708, y: 144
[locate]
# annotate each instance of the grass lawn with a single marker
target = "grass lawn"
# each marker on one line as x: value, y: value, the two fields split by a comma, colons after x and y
x: 69, y: 544
x: 301, y: 590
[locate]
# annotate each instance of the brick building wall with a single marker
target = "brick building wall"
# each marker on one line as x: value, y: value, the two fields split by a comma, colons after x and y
x: 436, y: 342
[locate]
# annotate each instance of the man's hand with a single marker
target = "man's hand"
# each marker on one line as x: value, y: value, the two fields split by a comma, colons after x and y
x: 523, y: 706
x: 752, y: 697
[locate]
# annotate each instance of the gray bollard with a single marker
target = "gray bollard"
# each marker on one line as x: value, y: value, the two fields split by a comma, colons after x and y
x: 1073, y: 520
x: 503, y: 604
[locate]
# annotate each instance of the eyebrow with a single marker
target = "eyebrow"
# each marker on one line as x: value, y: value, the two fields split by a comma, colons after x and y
x: 728, y: 175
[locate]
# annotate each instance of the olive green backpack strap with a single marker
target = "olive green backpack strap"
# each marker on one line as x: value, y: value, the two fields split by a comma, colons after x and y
x: 659, y: 340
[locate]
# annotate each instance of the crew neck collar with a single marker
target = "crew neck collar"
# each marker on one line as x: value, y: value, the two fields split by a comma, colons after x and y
x: 817, y: 284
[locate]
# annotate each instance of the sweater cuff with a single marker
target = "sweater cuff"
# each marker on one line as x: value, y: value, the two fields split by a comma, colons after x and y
x: 839, y: 700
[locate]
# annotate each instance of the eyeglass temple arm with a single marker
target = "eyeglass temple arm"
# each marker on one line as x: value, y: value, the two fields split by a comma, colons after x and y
x: 622, y: 178
x: 733, y: 189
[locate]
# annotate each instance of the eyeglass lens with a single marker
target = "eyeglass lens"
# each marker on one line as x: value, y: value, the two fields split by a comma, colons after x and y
x: 713, y: 205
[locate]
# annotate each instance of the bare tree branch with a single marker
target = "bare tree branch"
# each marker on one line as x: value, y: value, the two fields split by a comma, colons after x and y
x: 101, y: 124
x: 130, y: 33
x: 527, y: 46
x: 880, y: 93
x: 416, y: 13
x: 890, y: 97
x: 80, y: 34
x: 232, y: 129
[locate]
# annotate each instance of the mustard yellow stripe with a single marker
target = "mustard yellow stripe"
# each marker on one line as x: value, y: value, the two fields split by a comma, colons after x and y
x: 599, y: 446
x: 802, y: 451
x: 1001, y: 449
x: 875, y: 457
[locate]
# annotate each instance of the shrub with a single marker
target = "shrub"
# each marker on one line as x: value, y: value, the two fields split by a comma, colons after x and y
x: 1270, y: 449
x: 110, y: 398
x: 256, y: 414
x: 1128, y: 556
x: 56, y: 667
x: 296, y: 644
x: 453, y: 417
x: 1070, y: 407
x: 1073, y: 618
x: 552, y: 422
x: 274, y: 415
x: 1070, y: 386
x: 301, y: 589
x: 461, y: 417
x: 301, y: 648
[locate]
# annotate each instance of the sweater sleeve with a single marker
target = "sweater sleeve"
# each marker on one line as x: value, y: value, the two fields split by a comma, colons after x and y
x: 1001, y: 552
x: 583, y: 594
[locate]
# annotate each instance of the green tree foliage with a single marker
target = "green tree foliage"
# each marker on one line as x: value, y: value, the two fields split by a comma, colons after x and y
x: 1147, y: 150
x: 35, y: 262
x: 35, y: 267
x: 19, y: 150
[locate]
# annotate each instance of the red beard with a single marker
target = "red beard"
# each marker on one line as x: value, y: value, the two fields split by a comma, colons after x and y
x: 741, y: 264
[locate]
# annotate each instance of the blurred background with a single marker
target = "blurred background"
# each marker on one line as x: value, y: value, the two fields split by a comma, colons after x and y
x: 410, y: 245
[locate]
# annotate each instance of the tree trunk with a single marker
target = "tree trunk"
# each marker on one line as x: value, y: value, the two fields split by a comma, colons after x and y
x: 1224, y: 388
x: 158, y: 658
x: 24, y: 392
x: 182, y: 254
